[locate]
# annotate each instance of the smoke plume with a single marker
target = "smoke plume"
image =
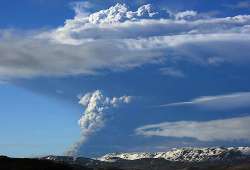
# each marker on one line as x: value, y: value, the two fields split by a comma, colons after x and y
x: 97, y: 112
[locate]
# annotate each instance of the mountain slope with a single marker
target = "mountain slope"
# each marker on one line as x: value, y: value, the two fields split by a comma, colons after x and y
x: 186, y: 154
x: 216, y: 158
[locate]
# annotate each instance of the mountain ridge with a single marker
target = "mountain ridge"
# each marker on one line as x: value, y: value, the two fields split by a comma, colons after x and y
x: 185, y: 154
x: 216, y: 158
x: 182, y: 154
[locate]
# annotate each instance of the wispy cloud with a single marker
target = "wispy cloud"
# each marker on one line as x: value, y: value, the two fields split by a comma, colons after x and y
x: 239, y: 5
x: 221, y: 130
x: 185, y: 15
x: 81, y: 8
x: 3, y: 82
x: 226, y: 101
x: 173, y: 72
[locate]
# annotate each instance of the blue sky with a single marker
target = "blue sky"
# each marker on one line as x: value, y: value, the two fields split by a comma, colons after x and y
x: 133, y: 77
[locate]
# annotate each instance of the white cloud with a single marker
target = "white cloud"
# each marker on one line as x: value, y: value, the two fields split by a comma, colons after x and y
x: 81, y: 8
x: 119, y: 39
x: 215, y: 60
x: 214, y: 130
x: 120, y: 13
x: 96, y: 114
x: 226, y: 101
x: 185, y: 15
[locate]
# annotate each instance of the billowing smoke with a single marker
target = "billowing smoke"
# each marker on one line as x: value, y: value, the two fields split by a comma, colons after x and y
x: 95, y: 116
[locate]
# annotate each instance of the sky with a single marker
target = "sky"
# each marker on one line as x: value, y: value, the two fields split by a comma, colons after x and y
x: 85, y: 78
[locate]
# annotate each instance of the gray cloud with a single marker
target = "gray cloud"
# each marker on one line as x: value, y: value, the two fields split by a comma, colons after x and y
x: 215, y: 130
x: 226, y: 101
x: 120, y: 39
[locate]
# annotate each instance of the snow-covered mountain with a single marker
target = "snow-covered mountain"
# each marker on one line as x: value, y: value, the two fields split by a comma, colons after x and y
x: 185, y: 154
x: 216, y: 158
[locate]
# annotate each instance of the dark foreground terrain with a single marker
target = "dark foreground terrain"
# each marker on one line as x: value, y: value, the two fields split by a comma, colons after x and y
x: 141, y: 164
x: 7, y: 163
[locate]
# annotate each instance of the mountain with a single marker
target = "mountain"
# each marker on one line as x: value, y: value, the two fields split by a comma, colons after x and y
x: 185, y: 154
x: 237, y: 158
x: 216, y: 158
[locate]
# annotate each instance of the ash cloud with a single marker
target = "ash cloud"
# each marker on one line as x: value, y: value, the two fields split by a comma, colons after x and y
x: 96, y: 114
x: 118, y: 38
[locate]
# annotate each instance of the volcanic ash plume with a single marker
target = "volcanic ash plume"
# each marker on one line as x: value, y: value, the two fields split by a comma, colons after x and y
x: 95, y: 115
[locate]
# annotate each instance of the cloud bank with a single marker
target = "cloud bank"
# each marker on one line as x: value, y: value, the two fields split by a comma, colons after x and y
x: 232, y: 129
x: 119, y: 39
x: 96, y: 114
x: 226, y: 101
